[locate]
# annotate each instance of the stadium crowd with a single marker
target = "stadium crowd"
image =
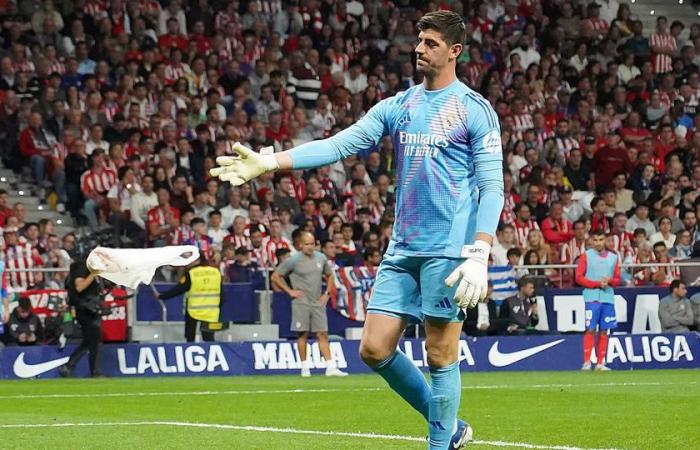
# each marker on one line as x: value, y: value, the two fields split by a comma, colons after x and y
x: 117, y: 109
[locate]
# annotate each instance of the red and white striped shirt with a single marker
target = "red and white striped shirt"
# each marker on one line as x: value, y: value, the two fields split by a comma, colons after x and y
x: 100, y: 183
x: 182, y: 234
x: 508, y: 212
x: 272, y: 245
x: 622, y: 243
x: 259, y: 256
x: 57, y: 66
x: 25, y: 66
x: 566, y: 144
x: 572, y: 250
x: 110, y: 109
x: 21, y: 256
x: 599, y: 25
x: 522, y: 123
x: 662, y: 62
x: 522, y: 229
x: 237, y: 241
x: 59, y: 151
x: 158, y: 216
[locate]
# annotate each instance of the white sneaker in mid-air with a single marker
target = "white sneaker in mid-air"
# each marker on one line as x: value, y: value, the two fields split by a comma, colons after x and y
x: 335, y: 372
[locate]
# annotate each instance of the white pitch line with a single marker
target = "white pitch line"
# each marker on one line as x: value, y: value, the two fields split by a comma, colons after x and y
x: 321, y: 391
x: 386, y: 437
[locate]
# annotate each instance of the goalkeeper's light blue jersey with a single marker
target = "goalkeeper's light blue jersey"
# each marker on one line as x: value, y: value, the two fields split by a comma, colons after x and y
x: 447, y: 146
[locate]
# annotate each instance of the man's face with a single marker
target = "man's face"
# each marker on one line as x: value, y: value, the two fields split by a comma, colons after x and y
x: 308, y: 244
x: 329, y: 250
x: 689, y: 220
x: 508, y: 235
x: 580, y: 231
x: 528, y: 290
x: 620, y: 222
x: 347, y: 233
x: 433, y: 53
x: 524, y: 213
x: 681, y: 291
x: 598, y: 242
x: 533, y: 194
x: 642, y: 212
x: 556, y: 211
x: 215, y: 220
x: 256, y: 239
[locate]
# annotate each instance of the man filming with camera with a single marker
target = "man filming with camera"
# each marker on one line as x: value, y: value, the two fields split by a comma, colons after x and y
x: 84, y: 288
x: 520, y: 310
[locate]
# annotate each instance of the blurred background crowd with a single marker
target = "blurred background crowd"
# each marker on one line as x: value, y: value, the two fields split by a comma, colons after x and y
x: 117, y: 109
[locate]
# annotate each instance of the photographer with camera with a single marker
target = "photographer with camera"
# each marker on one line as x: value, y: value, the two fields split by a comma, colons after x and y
x: 84, y: 294
x: 520, y: 310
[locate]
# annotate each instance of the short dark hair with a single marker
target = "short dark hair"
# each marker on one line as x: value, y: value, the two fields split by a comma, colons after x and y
x: 598, y: 232
x: 448, y: 23
x: 675, y: 284
x: 196, y: 221
x: 514, y: 252
x: 524, y: 281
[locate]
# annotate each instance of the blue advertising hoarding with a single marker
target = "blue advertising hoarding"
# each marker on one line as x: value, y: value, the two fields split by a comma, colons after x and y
x: 530, y: 353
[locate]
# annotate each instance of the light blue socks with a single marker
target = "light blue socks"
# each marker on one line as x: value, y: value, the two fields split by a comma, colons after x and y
x: 445, y: 395
x: 406, y: 380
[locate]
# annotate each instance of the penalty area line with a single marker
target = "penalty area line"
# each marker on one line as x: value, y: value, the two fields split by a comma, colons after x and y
x: 250, y: 428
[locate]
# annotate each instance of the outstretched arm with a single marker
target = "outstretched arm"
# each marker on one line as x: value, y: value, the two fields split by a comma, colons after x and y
x: 362, y: 135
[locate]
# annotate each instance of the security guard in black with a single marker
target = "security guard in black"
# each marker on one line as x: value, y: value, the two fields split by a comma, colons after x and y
x: 84, y: 288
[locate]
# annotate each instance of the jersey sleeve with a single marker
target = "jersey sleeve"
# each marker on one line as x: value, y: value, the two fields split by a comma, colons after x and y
x: 485, y: 140
x: 362, y: 135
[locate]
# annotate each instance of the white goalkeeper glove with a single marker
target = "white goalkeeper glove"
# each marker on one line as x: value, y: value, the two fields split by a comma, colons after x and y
x: 471, y: 274
x: 248, y: 165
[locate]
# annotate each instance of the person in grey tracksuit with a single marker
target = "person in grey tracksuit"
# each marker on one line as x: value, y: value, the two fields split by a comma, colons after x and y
x: 675, y: 310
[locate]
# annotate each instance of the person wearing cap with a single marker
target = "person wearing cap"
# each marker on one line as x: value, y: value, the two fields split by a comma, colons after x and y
x: 244, y: 269
x: 202, y: 286
x: 594, y: 26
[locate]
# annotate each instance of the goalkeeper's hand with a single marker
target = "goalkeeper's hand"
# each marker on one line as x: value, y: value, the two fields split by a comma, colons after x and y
x: 472, y: 275
x: 248, y: 165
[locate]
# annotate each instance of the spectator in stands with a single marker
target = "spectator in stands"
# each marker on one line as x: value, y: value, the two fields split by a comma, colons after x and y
x: 94, y: 185
x: 640, y: 219
x: 483, y: 320
x: 24, y: 326
x: 675, y: 310
x: 505, y: 240
x: 243, y: 269
x: 520, y: 310
x: 663, y: 275
x: 371, y: 257
x: 664, y: 234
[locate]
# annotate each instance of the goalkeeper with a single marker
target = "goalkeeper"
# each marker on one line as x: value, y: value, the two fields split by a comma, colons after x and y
x: 449, y: 198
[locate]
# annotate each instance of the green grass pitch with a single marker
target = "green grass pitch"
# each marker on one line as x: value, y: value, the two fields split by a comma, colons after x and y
x: 549, y: 410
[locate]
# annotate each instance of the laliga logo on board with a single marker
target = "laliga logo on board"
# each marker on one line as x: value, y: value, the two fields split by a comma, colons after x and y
x: 191, y: 358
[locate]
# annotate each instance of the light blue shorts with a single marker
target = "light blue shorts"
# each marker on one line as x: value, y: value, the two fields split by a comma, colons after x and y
x: 413, y: 288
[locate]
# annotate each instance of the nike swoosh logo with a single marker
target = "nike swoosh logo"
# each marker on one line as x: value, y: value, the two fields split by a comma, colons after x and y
x: 24, y: 370
x: 498, y: 359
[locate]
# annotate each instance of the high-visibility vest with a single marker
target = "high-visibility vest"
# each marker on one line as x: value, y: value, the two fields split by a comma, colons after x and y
x: 204, y: 295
